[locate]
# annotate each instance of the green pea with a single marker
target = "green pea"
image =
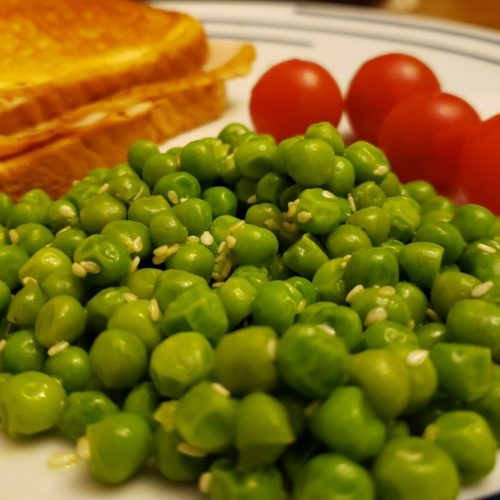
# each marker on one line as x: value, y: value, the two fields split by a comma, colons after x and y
x: 180, y: 362
x: 144, y: 209
x: 256, y: 275
x: 475, y: 321
x: 473, y: 221
x: 172, y: 464
x: 139, y: 152
x: 176, y: 186
x: 22, y: 353
x: 404, y: 216
x: 64, y: 283
x: 205, y: 417
x: 330, y: 476
x: 139, y: 317
x: 437, y: 202
x: 262, y: 430
x: 305, y: 287
x: 446, y: 235
x: 371, y: 266
x: 253, y: 245
x: 305, y: 256
x: 386, y: 333
x: 488, y: 405
x: 420, y: 191
x: 133, y: 235
x: 421, y: 262
x: 264, y: 215
x: 119, y: 445
x: 237, y: 295
x: 82, y: 409
x: 156, y: 166
x: 5, y: 296
x: 368, y: 194
x: 12, y: 259
x: 102, y: 305
x: 166, y: 229
x: 143, y: 399
x: 346, y: 423
x: 270, y: 186
x: 430, y: 334
x: 481, y: 259
x: 345, y: 240
x: 343, y: 320
x: 101, y: 260
x: 309, y: 162
x: 142, y: 282
x: 369, y: 162
x: 467, y: 438
x: 195, y: 214
x: 128, y: 188
x: 327, y: 132
x: 30, y: 403
x: 415, y: 299
x: 245, y: 190
x: 25, y: 305
x: 100, y: 210
x: 119, y: 358
x: 195, y: 258
x: 313, y: 360
x: 43, y: 263
x: 464, y: 371
x: 197, y: 309
x: 67, y: 240
x: 437, y: 217
x: 289, y: 194
x: 449, y: 288
x: 341, y: 180
x: 81, y: 193
x: 375, y: 221
x: 31, y: 237
x: 72, y: 367
x: 253, y: 159
x: 222, y: 200
x: 391, y: 186
x: 6, y: 205
x: 276, y: 305
x: 412, y: 468
x: 204, y: 159
x: 231, y: 132
x: 329, y: 281
x: 228, y: 481
x: 120, y: 170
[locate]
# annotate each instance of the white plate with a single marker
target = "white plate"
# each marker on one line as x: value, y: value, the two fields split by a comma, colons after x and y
x: 467, y: 62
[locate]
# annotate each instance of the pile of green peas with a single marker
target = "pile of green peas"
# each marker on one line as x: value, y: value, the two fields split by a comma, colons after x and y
x: 263, y: 319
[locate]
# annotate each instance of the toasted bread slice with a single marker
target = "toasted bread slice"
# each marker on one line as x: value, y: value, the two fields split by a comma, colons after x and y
x: 58, y: 55
x: 53, y: 154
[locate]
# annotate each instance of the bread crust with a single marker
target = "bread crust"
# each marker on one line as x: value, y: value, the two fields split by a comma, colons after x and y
x: 118, y: 44
x: 52, y: 161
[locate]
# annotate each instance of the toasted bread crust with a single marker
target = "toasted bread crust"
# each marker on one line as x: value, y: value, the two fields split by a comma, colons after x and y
x: 118, y: 44
x: 100, y: 134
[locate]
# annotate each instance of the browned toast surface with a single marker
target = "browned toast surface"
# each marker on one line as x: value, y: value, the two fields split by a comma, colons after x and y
x: 56, y: 55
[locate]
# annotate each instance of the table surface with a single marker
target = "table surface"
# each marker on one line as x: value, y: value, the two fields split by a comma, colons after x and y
x: 484, y: 13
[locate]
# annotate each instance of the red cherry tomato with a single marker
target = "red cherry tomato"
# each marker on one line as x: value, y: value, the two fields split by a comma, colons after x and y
x: 293, y: 95
x: 479, y: 175
x: 379, y: 85
x: 423, y: 137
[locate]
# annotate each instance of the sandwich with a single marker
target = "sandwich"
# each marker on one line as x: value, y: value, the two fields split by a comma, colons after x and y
x: 55, y: 128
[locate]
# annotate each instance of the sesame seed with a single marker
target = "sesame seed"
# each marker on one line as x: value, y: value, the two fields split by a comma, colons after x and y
x: 301, y: 306
x: 29, y: 279
x: 290, y: 227
x: 173, y: 197
x: 231, y: 241
x: 14, y: 236
x: 57, y: 348
x: 304, y: 216
x: 236, y: 226
x: 63, y: 460
x: 486, y: 248
x: 375, y: 315
x: 482, y: 289
x: 220, y: 389
x: 190, y: 450
x: 433, y: 315
x: 328, y: 195
x: 271, y: 348
x: 292, y: 208
x: 129, y: 297
x: 66, y: 211
x: 83, y: 448
x: 217, y: 284
x: 387, y: 291
x: 252, y: 199
x: 63, y: 230
x: 138, y: 244
x: 193, y: 239
x: 90, y: 267
x: 207, y: 238
x: 154, y: 310
x: 3, y: 343
x: 135, y: 264
x: 352, y: 203
x: 160, y: 254
x: 411, y: 324
x: 222, y: 247
x: 103, y: 188
x: 272, y: 225
x: 350, y: 296
x: 205, y: 482
x: 381, y: 170
x: 324, y: 327
x: 416, y: 358
x: 78, y: 270
x: 183, y: 199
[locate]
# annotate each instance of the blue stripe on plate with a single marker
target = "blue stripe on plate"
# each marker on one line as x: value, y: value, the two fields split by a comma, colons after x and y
x: 397, y: 20
x: 253, y: 38
x: 354, y: 34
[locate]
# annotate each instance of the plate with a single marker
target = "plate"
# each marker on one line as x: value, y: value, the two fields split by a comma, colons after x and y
x: 465, y: 59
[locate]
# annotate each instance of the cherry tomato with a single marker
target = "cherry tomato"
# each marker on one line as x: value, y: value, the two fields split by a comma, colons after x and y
x: 380, y: 84
x: 293, y: 95
x: 423, y: 137
x: 479, y: 175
